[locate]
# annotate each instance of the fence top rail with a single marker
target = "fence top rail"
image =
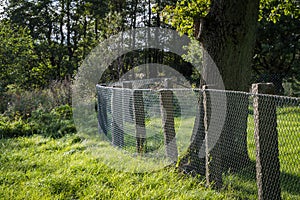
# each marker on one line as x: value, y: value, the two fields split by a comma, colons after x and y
x: 250, y: 94
x: 139, y: 81
x: 148, y: 89
x: 143, y: 80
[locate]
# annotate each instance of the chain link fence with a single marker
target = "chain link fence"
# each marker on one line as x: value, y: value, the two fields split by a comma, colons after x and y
x: 256, y: 135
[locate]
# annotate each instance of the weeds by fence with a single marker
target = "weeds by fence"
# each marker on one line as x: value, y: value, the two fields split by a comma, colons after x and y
x: 21, y: 101
x: 163, y: 123
x: 37, y: 111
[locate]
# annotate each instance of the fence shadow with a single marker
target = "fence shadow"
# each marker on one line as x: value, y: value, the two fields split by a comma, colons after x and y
x: 289, y: 183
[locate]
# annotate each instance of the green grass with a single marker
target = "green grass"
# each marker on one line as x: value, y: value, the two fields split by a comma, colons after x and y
x: 43, y: 168
x: 70, y: 167
x: 288, y: 127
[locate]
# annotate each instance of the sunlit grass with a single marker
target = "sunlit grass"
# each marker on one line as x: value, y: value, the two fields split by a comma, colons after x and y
x: 42, y: 168
x: 288, y: 127
x: 72, y: 167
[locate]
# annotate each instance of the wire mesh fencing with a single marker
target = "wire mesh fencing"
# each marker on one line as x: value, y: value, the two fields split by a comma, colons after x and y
x: 277, y: 138
x: 209, y: 131
x: 136, y: 120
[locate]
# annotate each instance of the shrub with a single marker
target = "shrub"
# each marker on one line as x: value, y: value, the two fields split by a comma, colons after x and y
x: 17, y: 100
x: 14, y: 128
x: 56, y: 123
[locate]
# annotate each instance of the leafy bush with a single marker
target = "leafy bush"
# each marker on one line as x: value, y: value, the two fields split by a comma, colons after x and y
x: 27, y: 112
x: 13, y: 128
x: 56, y: 123
x: 18, y: 100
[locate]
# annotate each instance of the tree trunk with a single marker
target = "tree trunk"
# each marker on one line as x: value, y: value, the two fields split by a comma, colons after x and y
x: 228, y: 35
x: 69, y: 35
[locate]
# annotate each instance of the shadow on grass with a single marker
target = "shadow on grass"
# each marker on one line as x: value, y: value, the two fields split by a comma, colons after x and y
x: 290, y: 183
x: 245, y: 181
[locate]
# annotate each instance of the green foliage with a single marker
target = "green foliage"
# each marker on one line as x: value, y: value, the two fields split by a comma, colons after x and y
x: 14, y: 127
x: 64, y: 32
x: 112, y: 24
x: 23, y: 102
x: 59, y: 34
x: 277, y: 48
x: 17, y: 55
x: 273, y: 10
x: 194, y: 55
x: 183, y: 15
x: 56, y: 123
x: 44, y: 112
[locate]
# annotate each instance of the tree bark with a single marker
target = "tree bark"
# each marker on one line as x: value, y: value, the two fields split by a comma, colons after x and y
x: 228, y: 35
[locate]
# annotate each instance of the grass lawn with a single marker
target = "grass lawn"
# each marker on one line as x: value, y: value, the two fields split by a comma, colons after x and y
x: 43, y: 168
x: 288, y: 127
x: 38, y: 167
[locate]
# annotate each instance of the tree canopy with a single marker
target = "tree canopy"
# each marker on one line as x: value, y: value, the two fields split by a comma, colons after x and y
x: 277, y: 49
x: 276, y: 57
x: 17, y: 56
x: 63, y: 32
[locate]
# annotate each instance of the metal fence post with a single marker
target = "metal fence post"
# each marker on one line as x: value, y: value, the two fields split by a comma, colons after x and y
x: 266, y: 141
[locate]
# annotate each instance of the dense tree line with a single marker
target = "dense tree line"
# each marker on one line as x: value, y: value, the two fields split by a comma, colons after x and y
x: 63, y: 32
x: 60, y: 33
